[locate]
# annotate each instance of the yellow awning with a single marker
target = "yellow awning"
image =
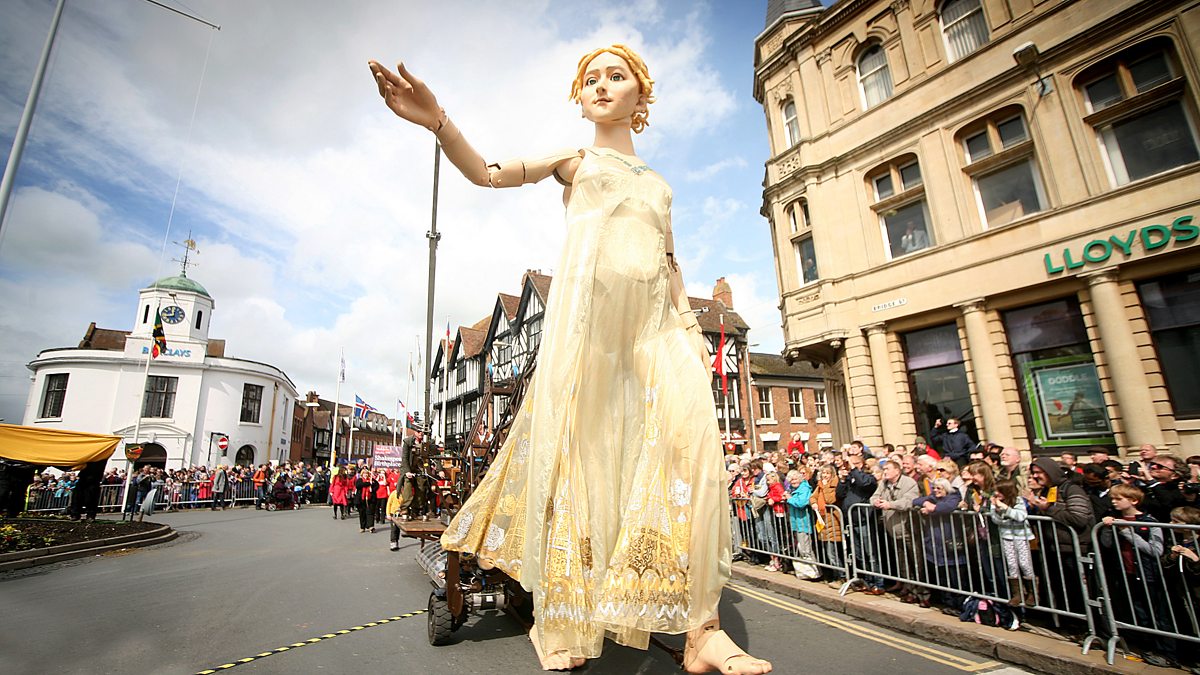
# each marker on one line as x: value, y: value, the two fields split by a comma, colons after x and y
x: 54, y: 447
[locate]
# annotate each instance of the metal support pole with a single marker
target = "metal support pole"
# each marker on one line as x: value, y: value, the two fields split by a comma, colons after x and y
x: 31, y: 101
x: 433, y: 237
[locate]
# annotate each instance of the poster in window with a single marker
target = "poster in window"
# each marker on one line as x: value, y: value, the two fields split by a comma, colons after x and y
x: 1069, y: 400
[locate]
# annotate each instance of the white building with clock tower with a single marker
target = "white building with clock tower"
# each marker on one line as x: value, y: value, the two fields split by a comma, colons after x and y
x: 188, y: 398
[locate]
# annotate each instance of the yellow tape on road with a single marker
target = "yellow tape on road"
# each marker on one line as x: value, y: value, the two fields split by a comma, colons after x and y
x: 914, y: 648
x: 310, y: 641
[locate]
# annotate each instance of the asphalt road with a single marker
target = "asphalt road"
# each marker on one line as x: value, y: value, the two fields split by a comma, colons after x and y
x: 242, y: 583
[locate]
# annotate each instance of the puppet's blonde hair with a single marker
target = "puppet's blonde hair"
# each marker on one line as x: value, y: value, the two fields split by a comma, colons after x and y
x: 640, y: 71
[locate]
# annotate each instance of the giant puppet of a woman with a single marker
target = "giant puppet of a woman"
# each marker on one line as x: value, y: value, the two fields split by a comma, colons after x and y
x: 607, y: 500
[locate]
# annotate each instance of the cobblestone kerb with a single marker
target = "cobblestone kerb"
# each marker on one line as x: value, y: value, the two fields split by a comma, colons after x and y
x: 1026, y: 649
x: 44, y: 556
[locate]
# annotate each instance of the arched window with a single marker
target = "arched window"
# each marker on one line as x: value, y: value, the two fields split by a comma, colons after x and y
x: 874, y: 78
x: 199, y: 318
x: 964, y: 27
x: 898, y: 192
x: 998, y: 155
x: 1136, y: 102
x: 798, y: 215
x: 791, y: 125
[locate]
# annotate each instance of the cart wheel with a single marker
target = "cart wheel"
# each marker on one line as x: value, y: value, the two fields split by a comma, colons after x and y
x: 271, y: 506
x: 441, y: 621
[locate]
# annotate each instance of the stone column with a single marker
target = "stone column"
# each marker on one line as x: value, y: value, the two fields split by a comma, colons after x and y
x: 885, y: 384
x: 996, y: 426
x: 1139, y: 420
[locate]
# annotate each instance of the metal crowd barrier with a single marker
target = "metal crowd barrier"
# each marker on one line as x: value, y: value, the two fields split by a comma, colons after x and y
x: 1150, y: 591
x: 764, y: 534
x: 168, y: 497
x: 959, y: 554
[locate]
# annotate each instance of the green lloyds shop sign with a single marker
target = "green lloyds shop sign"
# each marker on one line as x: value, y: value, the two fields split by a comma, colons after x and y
x: 1097, y: 251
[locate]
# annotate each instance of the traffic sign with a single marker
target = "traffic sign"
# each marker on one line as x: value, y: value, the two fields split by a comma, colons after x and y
x: 223, y: 443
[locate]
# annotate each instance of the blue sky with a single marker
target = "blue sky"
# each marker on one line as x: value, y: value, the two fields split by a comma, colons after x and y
x: 310, y: 201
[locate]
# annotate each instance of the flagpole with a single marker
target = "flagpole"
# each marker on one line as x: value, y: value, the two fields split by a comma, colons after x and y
x: 337, y: 396
x: 137, y: 430
x: 408, y: 394
x: 724, y: 389
x: 445, y: 385
x: 397, y: 418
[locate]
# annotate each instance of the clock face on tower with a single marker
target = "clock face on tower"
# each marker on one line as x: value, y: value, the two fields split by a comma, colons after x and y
x: 172, y: 314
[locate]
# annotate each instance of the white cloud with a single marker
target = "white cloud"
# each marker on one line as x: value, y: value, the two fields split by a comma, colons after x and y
x: 309, y: 199
x: 706, y: 172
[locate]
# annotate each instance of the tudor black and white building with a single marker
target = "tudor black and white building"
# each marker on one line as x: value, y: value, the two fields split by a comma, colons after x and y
x: 485, y: 359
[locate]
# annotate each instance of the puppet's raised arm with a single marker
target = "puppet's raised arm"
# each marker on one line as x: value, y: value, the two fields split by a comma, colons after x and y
x: 411, y: 99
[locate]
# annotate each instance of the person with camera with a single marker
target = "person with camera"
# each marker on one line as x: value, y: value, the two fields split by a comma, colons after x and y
x: 1163, y: 486
x: 955, y: 443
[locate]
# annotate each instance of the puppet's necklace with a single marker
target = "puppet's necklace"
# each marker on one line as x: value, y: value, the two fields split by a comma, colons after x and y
x: 637, y: 170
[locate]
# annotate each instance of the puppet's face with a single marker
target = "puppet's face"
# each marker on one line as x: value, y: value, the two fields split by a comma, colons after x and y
x: 610, y: 90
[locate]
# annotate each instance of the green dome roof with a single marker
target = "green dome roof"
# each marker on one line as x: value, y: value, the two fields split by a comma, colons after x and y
x: 180, y: 283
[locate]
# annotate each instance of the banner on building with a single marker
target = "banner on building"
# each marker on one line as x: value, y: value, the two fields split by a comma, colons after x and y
x: 387, y: 457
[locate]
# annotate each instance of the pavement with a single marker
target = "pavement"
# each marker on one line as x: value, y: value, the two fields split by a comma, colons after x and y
x: 1031, y: 649
x: 298, y: 592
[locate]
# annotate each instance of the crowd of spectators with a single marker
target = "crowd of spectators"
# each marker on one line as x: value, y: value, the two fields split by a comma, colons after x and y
x: 189, y: 488
x: 782, y: 519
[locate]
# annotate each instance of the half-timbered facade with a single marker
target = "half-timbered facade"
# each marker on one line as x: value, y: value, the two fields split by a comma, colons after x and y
x: 485, y: 359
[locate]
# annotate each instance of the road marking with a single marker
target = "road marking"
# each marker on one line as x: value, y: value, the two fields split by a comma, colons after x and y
x: 914, y: 648
x: 310, y: 641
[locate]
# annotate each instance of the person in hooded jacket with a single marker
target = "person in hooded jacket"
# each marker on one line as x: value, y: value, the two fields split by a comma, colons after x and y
x: 1069, y: 506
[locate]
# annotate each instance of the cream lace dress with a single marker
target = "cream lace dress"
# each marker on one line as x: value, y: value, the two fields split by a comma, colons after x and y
x: 607, y: 499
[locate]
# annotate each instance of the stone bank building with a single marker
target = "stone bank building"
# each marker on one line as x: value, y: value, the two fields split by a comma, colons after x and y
x: 987, y: 209
x: 188, y: 399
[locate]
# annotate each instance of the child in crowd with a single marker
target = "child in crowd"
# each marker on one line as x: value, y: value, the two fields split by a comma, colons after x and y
x: 1009, y: 514
x: 1140, y: 545
x: 777, y: 523
x: 1181, y: 567
x: 393, y: 515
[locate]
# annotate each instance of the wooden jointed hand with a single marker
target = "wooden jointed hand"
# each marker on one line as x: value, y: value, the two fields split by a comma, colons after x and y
x: 407, y: 96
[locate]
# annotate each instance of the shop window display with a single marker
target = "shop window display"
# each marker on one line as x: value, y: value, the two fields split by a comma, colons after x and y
x: 1060, y: 389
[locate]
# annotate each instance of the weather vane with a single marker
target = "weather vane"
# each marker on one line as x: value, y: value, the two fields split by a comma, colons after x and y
x: 189, y: 246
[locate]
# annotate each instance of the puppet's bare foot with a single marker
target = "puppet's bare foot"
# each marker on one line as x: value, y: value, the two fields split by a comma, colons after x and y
x: 559, y: 660
x: 710, y: 650
x: 485, y: 563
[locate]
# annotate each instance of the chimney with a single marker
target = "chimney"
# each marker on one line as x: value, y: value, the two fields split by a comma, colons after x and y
x: 723, y: 293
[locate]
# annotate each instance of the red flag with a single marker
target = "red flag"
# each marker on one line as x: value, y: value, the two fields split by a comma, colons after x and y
x: 719, y: 360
